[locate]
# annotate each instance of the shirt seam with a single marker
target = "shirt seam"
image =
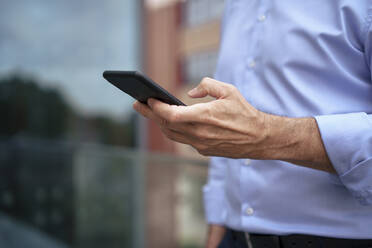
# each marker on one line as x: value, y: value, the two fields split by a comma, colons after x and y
x: 367, y: 23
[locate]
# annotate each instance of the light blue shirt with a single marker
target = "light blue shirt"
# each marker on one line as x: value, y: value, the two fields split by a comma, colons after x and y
x: 299, y: 59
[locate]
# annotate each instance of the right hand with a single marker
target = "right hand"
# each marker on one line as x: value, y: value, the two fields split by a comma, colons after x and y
x: 215, y: 235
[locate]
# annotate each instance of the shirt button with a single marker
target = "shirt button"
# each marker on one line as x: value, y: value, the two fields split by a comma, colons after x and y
x: 262, y: 18
x: 252, y: 64
x: 247, y: 161
x: 249, y: 211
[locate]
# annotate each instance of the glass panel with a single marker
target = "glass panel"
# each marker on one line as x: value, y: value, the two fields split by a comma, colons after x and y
x: 56, y: 194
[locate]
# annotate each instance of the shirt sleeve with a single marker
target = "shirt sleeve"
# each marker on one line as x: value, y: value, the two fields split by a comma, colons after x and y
x: 214, y: 192
x: 348, y: 142
x: 348, y: 139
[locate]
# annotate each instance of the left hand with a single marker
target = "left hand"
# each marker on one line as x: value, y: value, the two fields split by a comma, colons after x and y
x: 228, y: 126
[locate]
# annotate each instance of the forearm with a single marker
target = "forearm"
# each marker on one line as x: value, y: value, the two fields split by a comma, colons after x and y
x: 295, y: 140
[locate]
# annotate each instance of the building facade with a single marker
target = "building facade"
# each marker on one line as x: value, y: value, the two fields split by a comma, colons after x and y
x: 181, y: 42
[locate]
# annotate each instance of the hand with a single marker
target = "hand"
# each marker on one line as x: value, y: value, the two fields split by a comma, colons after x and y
x: 215, y: 235
x: 228, y: 126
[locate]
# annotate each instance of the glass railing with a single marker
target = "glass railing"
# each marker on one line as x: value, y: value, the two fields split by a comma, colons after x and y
x: 55, y: 194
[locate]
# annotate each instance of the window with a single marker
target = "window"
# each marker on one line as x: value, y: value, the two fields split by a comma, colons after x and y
x: 199, y: 66
x: 197, y: 12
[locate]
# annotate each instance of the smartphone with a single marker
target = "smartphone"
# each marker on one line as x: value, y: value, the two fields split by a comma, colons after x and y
x: 140, y: 87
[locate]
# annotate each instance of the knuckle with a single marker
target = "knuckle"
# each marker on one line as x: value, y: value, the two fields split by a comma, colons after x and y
x: 208, y: 112
x: 231, y: 88
x: 163, y: 122
x: 204, y: 81
x: 209, y: 116
x: 173, y: 117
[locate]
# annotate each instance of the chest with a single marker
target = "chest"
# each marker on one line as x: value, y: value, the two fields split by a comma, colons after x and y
x: 282, y: 30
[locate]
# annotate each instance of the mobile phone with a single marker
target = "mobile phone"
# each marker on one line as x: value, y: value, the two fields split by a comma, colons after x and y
x: 140, y: 87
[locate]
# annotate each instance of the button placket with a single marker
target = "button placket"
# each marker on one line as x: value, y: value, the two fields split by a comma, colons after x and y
x: 261, y: 18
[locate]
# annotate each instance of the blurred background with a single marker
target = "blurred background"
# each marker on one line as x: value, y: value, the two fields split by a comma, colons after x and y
x: 78, y: 168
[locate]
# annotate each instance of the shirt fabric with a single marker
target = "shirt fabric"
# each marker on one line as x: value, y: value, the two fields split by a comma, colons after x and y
x: 299, y: 59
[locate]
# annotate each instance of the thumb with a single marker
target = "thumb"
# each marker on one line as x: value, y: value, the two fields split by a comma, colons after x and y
x: 211, y: 87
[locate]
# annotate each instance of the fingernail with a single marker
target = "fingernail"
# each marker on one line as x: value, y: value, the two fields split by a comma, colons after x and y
x: 150, y: 101
x: 193, y: 91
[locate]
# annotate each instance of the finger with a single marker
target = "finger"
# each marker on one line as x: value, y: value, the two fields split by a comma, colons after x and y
x: 142, y: 109
x: 211, y: 87
x: 176, y: 136
x: 181, y: 138
x: 178, y: 114
x: 145, y: 111
x: 182, y: 127
x: 205, y: 133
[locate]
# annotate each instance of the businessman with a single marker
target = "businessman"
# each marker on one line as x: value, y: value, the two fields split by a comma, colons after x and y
x: 290, y: 129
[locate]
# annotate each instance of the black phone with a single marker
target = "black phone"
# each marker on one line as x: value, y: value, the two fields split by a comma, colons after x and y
x: 140, y: 87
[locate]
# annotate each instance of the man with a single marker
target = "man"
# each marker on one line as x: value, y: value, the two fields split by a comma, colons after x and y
x: 294, y: 94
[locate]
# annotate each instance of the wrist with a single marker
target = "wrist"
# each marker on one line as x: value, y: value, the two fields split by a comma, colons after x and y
x: 280, y: 137
x: 287, y: 137
x: 295, y: 140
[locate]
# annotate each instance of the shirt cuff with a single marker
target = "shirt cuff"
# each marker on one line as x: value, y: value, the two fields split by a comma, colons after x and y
x: 348, y: 141
x: 214, y: 204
